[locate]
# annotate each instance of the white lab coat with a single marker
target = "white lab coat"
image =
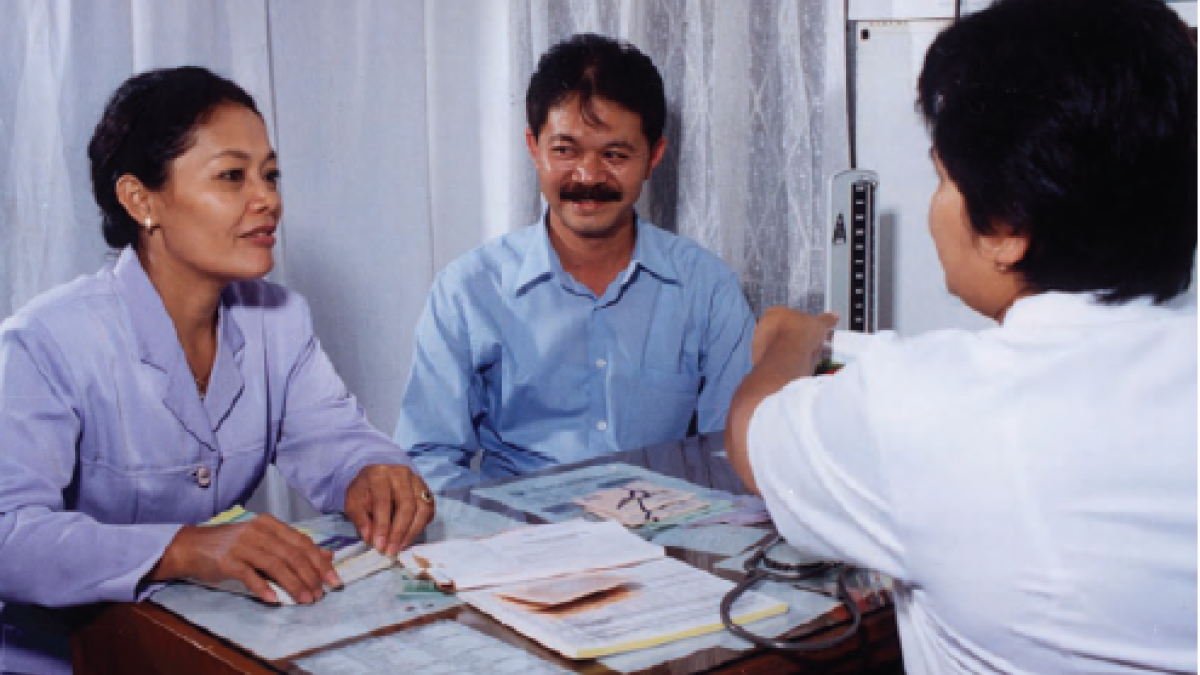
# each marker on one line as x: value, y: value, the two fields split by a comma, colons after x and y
x: 1031, y: 488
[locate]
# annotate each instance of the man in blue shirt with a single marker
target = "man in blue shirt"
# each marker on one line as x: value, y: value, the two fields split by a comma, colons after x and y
x: 590, y: 331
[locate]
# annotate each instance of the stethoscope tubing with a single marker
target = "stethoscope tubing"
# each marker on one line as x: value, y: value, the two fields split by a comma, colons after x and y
x: 755, y: 574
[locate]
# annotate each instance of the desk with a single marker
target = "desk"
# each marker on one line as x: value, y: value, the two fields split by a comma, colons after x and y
x: 146, y: 638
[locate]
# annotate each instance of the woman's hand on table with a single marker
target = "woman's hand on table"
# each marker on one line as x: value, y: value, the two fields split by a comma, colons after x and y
x: 251, y: 552
x: 389, y: 505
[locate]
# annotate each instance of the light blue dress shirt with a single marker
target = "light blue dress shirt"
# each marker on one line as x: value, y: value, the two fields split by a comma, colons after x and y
x: 518, y: 362
x: 106, y: 447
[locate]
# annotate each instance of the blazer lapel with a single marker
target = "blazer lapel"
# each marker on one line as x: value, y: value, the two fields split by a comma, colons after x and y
x: 227, y: 383
x: 182, y: 399
x: 158, y: 346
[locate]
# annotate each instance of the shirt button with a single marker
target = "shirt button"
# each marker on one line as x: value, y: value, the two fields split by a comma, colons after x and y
x: 600, y: 363
x: 602, y: 425
x: 203, y: 477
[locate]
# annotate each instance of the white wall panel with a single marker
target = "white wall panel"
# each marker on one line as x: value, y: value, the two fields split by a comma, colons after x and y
x: 890, y: 139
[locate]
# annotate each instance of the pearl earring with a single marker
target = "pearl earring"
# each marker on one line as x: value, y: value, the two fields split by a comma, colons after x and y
x: 149, y: 223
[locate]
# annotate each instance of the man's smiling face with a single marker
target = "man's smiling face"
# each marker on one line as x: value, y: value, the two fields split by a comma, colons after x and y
x: 591, y: 171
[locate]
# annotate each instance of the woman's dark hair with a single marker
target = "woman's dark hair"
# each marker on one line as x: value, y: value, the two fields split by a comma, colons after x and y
x: 149, y: 121
x: 1074, y: 123
x: 589, y: 65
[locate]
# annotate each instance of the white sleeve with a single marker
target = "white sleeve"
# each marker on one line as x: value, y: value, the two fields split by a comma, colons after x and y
x: 818, y: 466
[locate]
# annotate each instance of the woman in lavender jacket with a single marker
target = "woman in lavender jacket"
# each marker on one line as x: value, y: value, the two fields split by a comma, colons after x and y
x: 149, y: 397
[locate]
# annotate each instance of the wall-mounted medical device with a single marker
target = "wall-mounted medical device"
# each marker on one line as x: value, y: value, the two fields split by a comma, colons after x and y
x: 853, y: 251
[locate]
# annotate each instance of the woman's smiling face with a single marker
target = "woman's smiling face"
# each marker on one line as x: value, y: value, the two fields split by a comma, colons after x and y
x: 217, y: 214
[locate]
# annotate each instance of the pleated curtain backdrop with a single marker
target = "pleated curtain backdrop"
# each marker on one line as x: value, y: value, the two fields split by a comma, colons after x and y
x: 399, y: 125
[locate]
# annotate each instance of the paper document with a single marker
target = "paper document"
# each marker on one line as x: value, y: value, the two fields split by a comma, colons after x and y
x: 585, y: 589
x: 529, y: 553
x: 275, y: 632
x: 388, y: 598
x: 662, y: 600
x: 438, y: 648
x: 353, y: 559
x: 562, y: 590
x: 553, y: 496
x: 641, y: 503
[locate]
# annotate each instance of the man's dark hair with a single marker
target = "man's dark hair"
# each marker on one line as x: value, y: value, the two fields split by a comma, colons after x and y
x: 151, y: 120
x: 589, y: 66
x: 1074, y: 122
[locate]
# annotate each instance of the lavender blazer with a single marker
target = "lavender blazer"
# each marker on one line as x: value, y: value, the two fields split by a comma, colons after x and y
x: 106, y: 447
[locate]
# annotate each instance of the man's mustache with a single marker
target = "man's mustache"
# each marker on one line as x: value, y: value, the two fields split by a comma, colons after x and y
x: 598, y: 192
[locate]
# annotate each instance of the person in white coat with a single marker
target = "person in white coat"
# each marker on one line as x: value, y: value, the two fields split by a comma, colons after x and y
x: 1031, y: 488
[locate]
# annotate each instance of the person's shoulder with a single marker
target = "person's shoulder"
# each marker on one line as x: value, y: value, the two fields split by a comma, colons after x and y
x: 682, y: 247
x: 268, y: 302
x: 1156, y: 331
x: 1039, y: 330
x: 693, y: 262
x: 70, y: 304
x: 1182, y: 317
x: 950, y: 355
x: 487, y: 263
x: 68, y: 320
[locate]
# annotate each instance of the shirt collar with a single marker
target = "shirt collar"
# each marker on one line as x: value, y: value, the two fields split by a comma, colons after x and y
x: 650, y: 253
x: 1073, y: 309
x: 541, y: 262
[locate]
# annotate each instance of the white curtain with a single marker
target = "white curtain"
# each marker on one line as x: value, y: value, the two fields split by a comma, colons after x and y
x: 399, y: 128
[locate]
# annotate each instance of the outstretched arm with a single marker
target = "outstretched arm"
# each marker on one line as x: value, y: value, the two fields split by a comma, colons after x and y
x: 787, y: 345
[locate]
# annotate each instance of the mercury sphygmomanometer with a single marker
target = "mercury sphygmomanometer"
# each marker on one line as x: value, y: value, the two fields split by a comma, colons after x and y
x: 852, y: 275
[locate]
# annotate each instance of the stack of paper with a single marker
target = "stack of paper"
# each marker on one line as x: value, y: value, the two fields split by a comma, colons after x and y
x: 584, y: 589
x: 642, y: 503
x: 528, y: 553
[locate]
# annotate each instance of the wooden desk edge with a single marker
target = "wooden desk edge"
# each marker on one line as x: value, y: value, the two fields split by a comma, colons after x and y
x: 146, y: 638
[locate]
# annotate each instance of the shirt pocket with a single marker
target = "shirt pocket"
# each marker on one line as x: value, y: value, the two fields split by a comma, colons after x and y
x: 651, y: 407
x: 121, y: 496
x: 175, y: 494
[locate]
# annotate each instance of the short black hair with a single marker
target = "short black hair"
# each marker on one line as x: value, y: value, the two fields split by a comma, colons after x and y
x: 1074, y: 123
x: 151, y: 120
x: 589, y: 65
